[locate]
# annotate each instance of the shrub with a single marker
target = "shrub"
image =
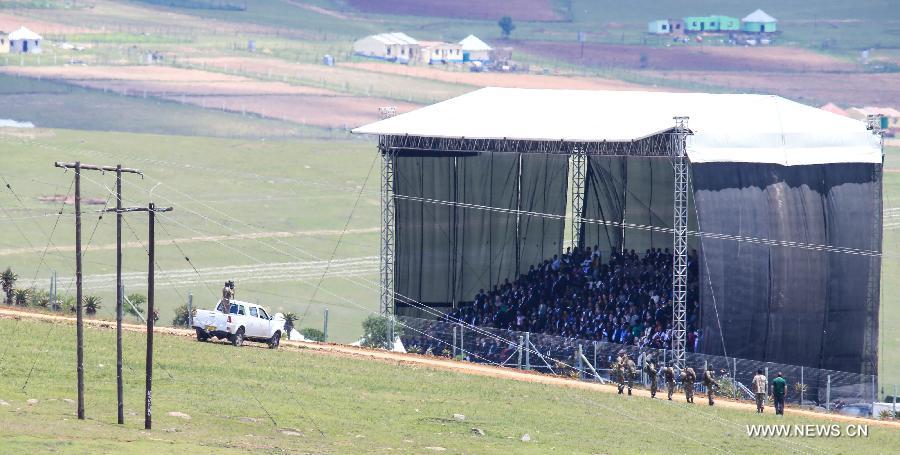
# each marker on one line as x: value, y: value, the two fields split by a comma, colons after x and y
x: 21, y: 296
x: 375, y: 328
x: 92, y: 304
x: 8, y: 280
x: 136, y: 308
x: 182, y: 317
x: 801, y: 390
x: 40, y: 299
x: 289, y: 319
x: 312, y: 334
x: 727, y: 387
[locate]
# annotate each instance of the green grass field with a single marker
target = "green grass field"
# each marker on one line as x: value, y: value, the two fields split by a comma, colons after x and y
x: 219, y: 187
x: 293, y: 187
x: 255, y: 399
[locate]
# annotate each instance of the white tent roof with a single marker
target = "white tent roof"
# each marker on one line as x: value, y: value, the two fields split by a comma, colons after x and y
x: 23, y: 34
x: 759, y: 16
x: 473, y: 43
x: 727, y: 128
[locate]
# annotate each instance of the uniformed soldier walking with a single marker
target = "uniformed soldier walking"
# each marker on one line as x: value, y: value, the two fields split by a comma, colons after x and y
x: 650, y: 369
x: 619, y: 369
x: 669, y: 375
x: 688, y: 377
x: 630, y: 372
x: 709, y: 381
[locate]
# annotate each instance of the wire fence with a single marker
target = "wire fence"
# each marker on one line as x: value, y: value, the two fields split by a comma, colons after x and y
x: 593, y: 361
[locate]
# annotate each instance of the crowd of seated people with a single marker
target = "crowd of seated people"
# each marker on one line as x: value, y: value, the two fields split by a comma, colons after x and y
x: 625, y: 299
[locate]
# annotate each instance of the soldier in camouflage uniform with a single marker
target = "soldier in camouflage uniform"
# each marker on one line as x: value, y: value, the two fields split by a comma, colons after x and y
x: 619, y: 370
x: 669, y: 374
x: 650, y: 369
x: 227, y: 296
x: 630, y: 372
x: 688, y: 377
x: 709, y: 381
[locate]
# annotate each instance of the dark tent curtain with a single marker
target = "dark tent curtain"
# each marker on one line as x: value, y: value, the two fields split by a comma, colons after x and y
x: 446, y: 253
x: 544, y: 185
x: 785, y: 303
x: 630, y: 190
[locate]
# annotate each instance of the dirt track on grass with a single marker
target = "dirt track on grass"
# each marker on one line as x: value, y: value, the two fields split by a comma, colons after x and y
x: 440, y: 364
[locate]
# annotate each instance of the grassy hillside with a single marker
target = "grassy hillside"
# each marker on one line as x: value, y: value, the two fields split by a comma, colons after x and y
x: 237, y: 400
x: 54, y: 105
x: 276, y: 209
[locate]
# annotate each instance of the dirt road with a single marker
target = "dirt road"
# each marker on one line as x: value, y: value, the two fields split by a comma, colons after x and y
x: 439, y: 364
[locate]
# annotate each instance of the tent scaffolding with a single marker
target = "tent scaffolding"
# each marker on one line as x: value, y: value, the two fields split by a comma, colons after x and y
x: 741, y: 149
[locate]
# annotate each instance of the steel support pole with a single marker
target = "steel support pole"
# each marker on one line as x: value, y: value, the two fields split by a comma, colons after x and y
x: 579, y: 169
x: 325, y: 326
x: 79, y: 295
x: 527, y: 350
x: 680, y: 259
x: 387, y: 219
x: 119, y: 296
x: 387, y: 228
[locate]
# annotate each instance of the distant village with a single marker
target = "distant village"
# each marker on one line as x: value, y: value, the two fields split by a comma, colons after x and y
x: 21, y: 41
x: 401, y: 48
x: 756, y: 28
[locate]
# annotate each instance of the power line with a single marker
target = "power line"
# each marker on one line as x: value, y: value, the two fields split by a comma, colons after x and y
x: 340, y: 238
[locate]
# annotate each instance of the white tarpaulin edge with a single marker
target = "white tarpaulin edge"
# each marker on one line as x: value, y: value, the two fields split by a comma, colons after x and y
x: 727, y: 127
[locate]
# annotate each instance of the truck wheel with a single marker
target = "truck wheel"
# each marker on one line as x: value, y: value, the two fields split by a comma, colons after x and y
x: 275, y: 340
x: 201, y: 335
x: 238, y: 338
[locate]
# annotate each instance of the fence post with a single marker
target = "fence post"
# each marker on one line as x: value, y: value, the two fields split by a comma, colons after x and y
x: 527, y: 350
x: 190, y: 306
x: 519, y: 357
x: 828, y: 394
x: 579, y: 364
x: 894, y: 406
x: 802, y: 386
x: 454, y: 341
x: 734, y: 378
x: 766, y: 399
x: 595, y: 355
x: 462, y: 342
x: 325, y: 326
x: 874, y: 392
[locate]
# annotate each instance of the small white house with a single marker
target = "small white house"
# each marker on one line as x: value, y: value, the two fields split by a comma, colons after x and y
x: 24, y: 41
x: 659, y: 27
x: 440, y: 52
x: 396, y: 47
x: 475, y: 50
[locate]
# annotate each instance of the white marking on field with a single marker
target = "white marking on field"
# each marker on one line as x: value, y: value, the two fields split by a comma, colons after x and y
x: 278, y: 271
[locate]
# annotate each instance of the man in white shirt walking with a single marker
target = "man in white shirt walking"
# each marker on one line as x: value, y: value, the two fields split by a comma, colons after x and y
x: 760, y: 386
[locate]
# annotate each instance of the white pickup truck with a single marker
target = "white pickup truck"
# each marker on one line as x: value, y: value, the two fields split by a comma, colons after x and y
x: 244, y: 321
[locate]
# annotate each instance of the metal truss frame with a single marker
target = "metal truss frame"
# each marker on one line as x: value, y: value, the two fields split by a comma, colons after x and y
x: 680, y: 256
x: 579, y: 172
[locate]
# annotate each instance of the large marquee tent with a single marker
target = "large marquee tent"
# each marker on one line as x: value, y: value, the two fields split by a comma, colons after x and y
x: 784, y: 206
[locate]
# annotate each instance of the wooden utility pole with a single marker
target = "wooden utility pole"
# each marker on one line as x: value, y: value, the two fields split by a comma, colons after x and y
x: 151, y: 210
x: 79, y: 323
x: 79, y: 294
x: 120, y: 291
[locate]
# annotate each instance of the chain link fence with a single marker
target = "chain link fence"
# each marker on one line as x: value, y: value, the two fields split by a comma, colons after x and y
x: 592, y: 360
